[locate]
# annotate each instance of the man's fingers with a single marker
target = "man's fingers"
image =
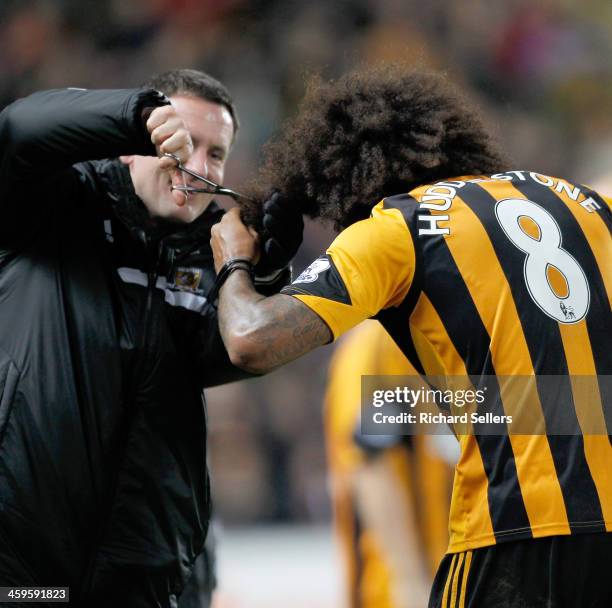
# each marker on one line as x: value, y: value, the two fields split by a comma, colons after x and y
x: 276, y: 205
x: 169, y: 135
x: 231, y: 216
x: 283, y: 230
x: 231, y: 223
x: 279, y: 213
x: 171, y: 140
x: 230, y: 238
x: 161, y: 133
x: 272, y: 200
x: 159, y: 116
x: 283, y: 225
x: 167, y: 163
x: 272, y: 224
x: 275, y: 250
x: 180, y: 197
x: 179, y: 144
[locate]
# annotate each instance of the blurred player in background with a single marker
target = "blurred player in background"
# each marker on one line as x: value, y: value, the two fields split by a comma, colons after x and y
x: 390, y: 493
x: 475, y: 270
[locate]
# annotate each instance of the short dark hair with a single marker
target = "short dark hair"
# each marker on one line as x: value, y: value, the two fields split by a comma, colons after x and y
x: 374, y: 133
x: 195, y: 83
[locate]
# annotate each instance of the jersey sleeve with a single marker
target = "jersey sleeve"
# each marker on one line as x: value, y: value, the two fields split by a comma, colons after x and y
x: 369, y: 267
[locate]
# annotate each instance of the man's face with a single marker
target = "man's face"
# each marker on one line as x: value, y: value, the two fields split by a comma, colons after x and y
x: 212, y: 131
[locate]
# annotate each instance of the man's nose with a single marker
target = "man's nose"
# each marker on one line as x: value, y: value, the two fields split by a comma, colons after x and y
x: 198, y: 162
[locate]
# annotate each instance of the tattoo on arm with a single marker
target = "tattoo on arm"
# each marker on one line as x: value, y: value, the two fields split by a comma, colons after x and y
x: 267, y: 332
x: 291, y: 329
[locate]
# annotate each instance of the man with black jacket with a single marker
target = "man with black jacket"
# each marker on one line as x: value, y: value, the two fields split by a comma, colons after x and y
x: 108, y: 337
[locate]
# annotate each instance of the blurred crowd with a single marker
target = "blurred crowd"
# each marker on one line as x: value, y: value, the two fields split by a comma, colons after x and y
x: 541, y: 70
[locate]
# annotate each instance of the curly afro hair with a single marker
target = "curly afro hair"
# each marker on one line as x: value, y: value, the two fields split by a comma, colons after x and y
x: 371, y: 134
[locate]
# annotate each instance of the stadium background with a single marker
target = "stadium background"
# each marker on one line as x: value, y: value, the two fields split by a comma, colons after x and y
x: 542, y: 70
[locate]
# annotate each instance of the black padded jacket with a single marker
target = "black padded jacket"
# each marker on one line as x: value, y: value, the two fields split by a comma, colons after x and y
x: 107, y: 340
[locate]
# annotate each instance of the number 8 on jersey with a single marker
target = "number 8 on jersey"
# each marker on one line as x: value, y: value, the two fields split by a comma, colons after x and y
x: 535, y: 232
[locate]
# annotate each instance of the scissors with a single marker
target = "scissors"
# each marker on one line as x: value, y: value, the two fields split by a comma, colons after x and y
x: 211, y: 187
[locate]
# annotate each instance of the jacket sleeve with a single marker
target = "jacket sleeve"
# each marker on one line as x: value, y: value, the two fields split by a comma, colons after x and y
x: 43, y: 135
x: 214, y: 360
x: 212, y: 363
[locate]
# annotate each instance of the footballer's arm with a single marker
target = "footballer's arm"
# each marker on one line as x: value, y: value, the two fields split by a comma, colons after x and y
x: 260, y: 333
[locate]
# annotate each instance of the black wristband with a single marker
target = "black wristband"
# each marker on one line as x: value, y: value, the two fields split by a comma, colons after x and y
x: 224, y: 272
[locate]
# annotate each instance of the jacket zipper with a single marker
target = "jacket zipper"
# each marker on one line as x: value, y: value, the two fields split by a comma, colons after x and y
x: 141, y: 344
x: 151, y: 286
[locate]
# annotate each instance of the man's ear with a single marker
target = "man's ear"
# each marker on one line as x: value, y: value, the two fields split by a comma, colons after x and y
x: 127, y: 160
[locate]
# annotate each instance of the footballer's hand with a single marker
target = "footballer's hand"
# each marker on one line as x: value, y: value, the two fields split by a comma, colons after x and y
x: 284, y: 227
x: 169, y: 135
x: 230, y: 238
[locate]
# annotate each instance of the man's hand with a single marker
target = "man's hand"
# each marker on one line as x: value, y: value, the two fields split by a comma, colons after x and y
x: 230, y: 238
x: 169, y: 135
x: 284, y: 228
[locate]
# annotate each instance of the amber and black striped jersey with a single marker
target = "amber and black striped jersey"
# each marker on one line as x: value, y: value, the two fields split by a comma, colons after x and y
x: 502, y: 275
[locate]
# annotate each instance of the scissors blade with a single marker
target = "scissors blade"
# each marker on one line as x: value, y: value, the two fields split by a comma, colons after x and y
x: 214, y: 187
x: 194, y: 190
